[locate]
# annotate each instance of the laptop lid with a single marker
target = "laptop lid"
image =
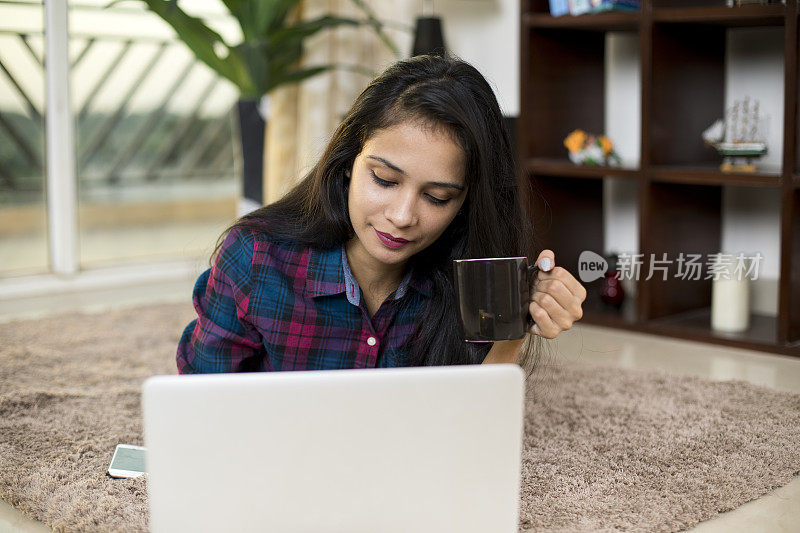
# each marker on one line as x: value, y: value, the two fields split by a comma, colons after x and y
x: 432, y: 449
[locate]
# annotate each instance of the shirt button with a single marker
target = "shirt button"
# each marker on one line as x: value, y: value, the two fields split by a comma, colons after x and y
x: 372, y: 341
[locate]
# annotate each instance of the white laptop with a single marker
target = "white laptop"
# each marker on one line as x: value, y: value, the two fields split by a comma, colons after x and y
x: 433, y: 449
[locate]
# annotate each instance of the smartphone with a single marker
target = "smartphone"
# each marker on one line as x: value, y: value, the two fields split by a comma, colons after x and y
x: 128, y: 461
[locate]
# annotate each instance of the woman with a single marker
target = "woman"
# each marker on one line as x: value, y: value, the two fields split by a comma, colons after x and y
x: 352, y: 268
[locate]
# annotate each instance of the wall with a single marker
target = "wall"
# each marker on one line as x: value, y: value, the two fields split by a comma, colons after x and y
x: 482, y: 32
x: 486, y: 33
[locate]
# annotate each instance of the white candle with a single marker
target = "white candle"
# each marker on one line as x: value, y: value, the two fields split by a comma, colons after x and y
x: 730, y: 298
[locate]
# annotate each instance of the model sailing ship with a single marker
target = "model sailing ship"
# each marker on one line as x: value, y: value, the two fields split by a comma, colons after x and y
x: 737, y: 138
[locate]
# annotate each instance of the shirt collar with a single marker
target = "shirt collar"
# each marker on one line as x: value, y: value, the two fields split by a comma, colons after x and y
x: 329, y: 273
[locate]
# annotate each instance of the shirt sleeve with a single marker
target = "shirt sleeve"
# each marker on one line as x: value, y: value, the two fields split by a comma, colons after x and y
x: 221, y: 339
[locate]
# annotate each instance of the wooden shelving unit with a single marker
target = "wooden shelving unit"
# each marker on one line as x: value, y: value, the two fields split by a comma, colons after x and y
x: 682, y: 45
x: 564, y: 167
x: 713, y: 176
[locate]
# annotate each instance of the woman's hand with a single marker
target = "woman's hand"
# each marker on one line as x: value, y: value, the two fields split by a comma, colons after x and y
x: 557, y: 298
x: 555, y: 306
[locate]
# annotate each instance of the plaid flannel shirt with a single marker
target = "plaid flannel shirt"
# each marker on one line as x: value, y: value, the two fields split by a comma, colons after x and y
x: 268, y: 305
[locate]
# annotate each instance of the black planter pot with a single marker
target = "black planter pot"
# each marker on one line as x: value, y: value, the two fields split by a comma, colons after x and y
x: 428, y: 37
x: 251, y: 132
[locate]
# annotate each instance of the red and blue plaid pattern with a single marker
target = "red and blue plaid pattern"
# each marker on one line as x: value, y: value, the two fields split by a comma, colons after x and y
x: 269, y: 305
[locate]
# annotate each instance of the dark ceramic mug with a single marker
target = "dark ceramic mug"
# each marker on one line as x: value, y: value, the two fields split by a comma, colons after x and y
x: 493, y: 297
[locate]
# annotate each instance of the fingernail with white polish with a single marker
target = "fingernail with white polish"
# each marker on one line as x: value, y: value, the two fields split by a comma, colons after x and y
x: 544, y: 264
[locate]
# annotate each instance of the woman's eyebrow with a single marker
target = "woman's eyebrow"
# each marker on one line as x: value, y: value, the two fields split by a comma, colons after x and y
x: 401, y: 171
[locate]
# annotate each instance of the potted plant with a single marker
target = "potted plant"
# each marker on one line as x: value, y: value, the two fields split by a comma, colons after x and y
x: 267, y: 57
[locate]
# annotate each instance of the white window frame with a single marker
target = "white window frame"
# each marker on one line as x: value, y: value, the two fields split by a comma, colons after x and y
x: 62, y: 183
x: 65, y: 276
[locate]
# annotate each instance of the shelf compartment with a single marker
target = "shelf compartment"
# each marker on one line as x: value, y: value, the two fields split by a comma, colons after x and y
x: 730, y: 17
x: 696, y: 325
x: 563, y: 87
x: 609, y: 21
x: 688, y: 93
x: 567, y: 217
x: 709, y: 175
x: 566, y: 168
x: 598, y: 313
x: 535, y: 6
x: 684, y: 219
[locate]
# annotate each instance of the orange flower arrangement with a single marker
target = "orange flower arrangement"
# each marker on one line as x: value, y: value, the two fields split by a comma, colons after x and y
x: 606, y: 145
x: 575, y: 141
x: 589, y: 149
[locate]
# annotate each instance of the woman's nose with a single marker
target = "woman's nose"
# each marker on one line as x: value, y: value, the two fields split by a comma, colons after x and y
x: 402, y: 211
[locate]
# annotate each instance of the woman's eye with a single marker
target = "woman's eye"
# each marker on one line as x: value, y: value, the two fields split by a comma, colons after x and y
x: 382, y: 183
x: 436, y: 201
x: 385, y: 183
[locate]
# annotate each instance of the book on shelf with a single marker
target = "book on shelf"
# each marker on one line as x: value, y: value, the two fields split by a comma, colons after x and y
x: 559, y: 7
x: 579, y: 7
x: 599, y: 6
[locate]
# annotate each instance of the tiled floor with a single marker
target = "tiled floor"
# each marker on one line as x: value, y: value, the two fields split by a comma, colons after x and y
x: 778, y: 511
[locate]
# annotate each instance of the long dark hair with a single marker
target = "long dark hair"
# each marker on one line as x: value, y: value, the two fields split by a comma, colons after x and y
x: 444, y: 93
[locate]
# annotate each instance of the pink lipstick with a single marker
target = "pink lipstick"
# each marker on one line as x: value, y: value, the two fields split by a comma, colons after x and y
x: 390, y: 241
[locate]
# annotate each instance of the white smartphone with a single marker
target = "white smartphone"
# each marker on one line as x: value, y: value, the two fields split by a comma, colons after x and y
x: 128, y: 461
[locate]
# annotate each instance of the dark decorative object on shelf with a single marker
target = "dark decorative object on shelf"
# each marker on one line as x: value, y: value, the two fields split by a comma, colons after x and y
x: 428, y: 38
x: 613, y: 294
x: 428, y: 35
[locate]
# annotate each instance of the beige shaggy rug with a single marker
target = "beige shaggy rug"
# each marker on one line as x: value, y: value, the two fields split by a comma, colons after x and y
x: 604, y: 448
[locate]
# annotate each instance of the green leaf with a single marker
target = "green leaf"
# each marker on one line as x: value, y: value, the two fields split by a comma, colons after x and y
x: 271, y: 51
x: 304, y: 30
x: 295, y: 76
x: 377, y: 25
x: 284, y: 59
x: 258, y: 64
x: 202, y: 41
x: 285, y: 47
x: 241, y: 10
x: 271, y: 15
x: 301, y: 74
